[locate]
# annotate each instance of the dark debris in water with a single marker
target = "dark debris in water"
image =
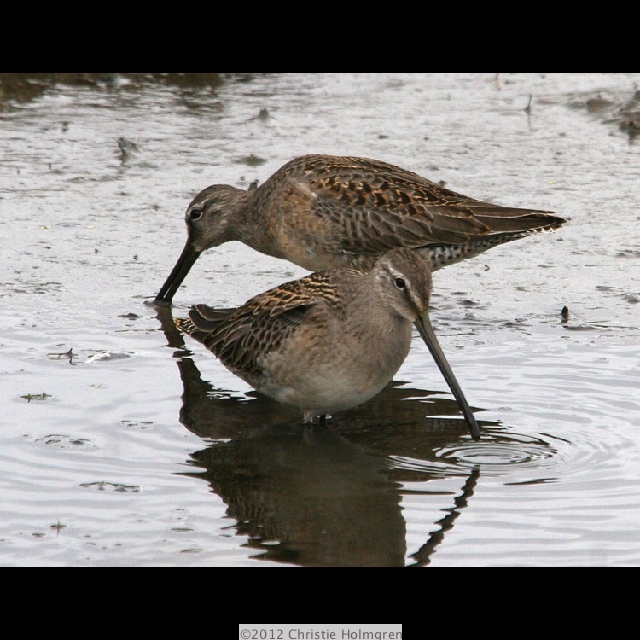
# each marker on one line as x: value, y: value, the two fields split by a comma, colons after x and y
x: 621, y: 110
x: 127, y: 149
x: 62, y: 441
x: 36, y: 396
x: 95, y: 356
x: 58, y: 526
x: 111, y: 486
x: 524, y: 483
x: 63, y: 355
x: 251, y: 160
x: 144, y: 424
x: 628, y: 253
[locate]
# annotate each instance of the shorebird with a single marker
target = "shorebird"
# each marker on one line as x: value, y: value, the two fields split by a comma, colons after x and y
x: 331, y: 340
x: 330, y: 212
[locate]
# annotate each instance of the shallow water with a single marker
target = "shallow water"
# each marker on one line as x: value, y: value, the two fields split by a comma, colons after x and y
x: 123, y: 444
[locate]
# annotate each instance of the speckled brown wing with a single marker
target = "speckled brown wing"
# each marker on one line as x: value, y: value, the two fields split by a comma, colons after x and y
x: 239, y: 337
x: 376, y: 206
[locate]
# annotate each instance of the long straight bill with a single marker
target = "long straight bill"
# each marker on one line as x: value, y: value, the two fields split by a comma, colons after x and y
x: 423, y: 325
x: 186, y: 260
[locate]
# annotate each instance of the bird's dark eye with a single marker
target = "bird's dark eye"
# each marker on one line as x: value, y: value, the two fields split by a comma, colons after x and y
x: 194, y: 214
x: 400, y: 283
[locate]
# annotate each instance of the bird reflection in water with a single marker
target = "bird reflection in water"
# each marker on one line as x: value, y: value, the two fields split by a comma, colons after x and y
x: 314, y: 495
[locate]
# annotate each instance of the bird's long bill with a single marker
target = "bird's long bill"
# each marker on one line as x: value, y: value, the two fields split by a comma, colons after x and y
x: 423, y: 325
x: 186, y: 260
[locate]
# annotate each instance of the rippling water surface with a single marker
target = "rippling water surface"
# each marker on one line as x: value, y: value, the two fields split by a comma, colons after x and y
x: 122, y: 444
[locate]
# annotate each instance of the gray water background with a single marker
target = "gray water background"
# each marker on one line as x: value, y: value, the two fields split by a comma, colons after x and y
x: 120, y: 444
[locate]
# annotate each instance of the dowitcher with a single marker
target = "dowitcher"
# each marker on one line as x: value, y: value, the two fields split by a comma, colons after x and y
x: 331, y: 340
x: 330, y: 212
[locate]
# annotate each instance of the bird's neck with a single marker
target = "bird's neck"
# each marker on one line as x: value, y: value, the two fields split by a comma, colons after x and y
x: 250, y: 224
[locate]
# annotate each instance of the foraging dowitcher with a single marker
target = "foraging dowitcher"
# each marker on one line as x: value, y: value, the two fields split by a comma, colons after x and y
x: 331, y: 340
x: 330, y: 212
